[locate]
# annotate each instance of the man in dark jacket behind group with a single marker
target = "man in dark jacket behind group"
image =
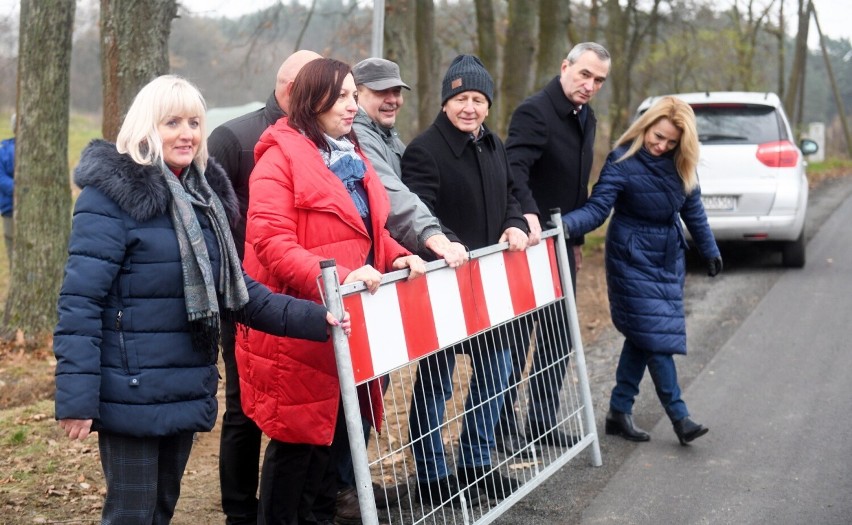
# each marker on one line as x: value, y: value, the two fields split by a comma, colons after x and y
x: 232, y: 144
x: 550, y: 149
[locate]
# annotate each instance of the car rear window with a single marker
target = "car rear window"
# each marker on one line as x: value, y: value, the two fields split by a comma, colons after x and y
x: 737, y: 124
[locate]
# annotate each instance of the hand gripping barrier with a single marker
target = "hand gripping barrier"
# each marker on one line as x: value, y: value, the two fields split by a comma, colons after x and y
x: 485, y: 392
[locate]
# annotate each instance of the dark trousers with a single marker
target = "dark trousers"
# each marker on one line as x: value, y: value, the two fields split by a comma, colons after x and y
x: 628, y: 375
x: 550, y: 362
x: 298, y: 482
x: 142, y: 477
x: 239, y: 445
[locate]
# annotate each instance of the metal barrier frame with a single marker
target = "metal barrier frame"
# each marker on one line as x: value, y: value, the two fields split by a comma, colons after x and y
x: 333, y: 294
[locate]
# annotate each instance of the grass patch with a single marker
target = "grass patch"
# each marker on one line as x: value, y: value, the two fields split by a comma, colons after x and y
x: 830, y: 168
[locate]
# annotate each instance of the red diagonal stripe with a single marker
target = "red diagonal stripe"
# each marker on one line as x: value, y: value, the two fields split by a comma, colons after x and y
x: 359, y: 343
x: 520, y: 281
x: 418, y: 323
x: 554, y: 268
x: 472, y: 295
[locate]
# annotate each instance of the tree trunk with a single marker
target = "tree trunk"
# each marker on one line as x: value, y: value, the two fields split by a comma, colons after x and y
x: 626, y: 33
x: 134, y: 50
x: 517, y: 60
x: 42, y: 190
x: 428, y: 79
x: 838, y: 100
x: 400, y: 47
x: 797, y: 71
x: 555, y: 17
x: 486, y: 35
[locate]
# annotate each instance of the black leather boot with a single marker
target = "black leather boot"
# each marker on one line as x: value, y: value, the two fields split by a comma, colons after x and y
x: 621, y: 424
x: 687, y: 430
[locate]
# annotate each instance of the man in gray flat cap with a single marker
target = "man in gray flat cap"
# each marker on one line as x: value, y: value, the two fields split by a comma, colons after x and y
x: 380, y: 99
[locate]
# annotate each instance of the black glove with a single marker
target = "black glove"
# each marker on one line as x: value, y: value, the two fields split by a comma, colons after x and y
x: 714, y: 266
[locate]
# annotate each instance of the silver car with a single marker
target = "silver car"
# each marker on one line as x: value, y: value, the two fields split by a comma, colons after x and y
x: 753, y: 180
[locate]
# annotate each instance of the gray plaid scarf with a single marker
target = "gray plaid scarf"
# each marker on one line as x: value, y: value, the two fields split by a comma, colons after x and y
x: 200, y: 291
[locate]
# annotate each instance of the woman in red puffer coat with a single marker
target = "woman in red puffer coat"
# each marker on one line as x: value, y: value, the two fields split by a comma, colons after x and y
x: 312, y: 196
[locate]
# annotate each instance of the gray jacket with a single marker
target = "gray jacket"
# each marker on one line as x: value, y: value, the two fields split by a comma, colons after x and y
x: 409, y: 222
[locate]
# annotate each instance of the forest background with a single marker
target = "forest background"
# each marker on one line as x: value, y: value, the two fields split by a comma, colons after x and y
x: 658, y: 46
x: 86, y: 59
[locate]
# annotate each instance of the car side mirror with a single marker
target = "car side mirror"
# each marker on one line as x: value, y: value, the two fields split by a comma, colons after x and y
x: 808, y: 147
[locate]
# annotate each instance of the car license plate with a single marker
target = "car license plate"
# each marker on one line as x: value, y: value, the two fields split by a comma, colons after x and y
x: 719, y: 202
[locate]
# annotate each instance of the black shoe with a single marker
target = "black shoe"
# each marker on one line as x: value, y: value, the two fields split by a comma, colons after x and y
x: 688, y: 430
x: 538, y: 434
x: 347, y: 510
x: 494, y: 484
x: 440, y: 491
x: 621, y: 424
x: 515, y: 445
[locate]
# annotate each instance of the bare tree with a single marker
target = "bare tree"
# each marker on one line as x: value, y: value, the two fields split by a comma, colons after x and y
x: 42, y: 192
x: 401, y: 48
x: 838, y: 100
x: 747, y: 26
x: 796, y: 84
x: 553, y: 23
x: 427, y: 62
x: 517, y: 60
x: 134, y: 50
x: 626, y: 32
x: 486, y: 34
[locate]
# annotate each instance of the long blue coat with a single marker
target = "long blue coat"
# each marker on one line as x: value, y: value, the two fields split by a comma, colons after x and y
x: 645, y: 262
x: 123, y: 346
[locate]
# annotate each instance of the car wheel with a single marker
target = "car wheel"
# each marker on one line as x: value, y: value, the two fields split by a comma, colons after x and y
x: 793, y: 252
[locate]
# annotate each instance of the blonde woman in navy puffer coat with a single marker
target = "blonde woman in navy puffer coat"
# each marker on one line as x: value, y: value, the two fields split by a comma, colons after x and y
x: 151, y: 269
x: 651, y: 182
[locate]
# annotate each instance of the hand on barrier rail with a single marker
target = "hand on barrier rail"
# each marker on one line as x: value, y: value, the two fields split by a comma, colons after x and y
x: 371, y: 277
x: 535, y: 228
x: 414, y: 263
x: 453, y: 252
x: 516, y: 238
x: 458, y: 256
x: 345, y: 323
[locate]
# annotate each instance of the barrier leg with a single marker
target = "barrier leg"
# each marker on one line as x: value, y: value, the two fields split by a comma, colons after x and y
x: 576, y: 340
x: 349, y: 395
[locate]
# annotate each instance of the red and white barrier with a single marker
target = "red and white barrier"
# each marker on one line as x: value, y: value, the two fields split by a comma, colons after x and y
x: 407, y: 320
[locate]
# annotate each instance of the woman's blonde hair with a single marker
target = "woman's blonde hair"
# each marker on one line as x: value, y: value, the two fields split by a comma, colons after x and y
x: 685, y: 153
x: 165, y: 96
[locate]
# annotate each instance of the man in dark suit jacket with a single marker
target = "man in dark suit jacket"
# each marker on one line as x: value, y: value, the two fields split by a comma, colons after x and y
x: 550, y: 149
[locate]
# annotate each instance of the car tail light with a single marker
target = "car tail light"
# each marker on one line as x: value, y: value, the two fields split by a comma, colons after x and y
x: 779, y: 154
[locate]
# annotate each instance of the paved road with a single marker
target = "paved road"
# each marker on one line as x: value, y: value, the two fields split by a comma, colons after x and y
x: 768, y: 370
x: 778, y: 394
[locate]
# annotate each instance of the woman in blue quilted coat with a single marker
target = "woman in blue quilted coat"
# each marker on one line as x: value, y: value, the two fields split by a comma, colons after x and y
x: 650, y: 182
x: 151, y: 270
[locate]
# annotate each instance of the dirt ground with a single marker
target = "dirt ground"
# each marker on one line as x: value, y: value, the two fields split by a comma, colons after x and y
x: 46, y: 478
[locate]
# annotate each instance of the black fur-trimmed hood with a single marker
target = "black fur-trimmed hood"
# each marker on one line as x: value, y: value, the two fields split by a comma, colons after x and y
x: 141, y: 191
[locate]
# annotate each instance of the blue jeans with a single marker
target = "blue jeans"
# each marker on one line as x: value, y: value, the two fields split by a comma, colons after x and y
x: 434, y: 387
x: 628, y: 375
x: 550, y: 362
